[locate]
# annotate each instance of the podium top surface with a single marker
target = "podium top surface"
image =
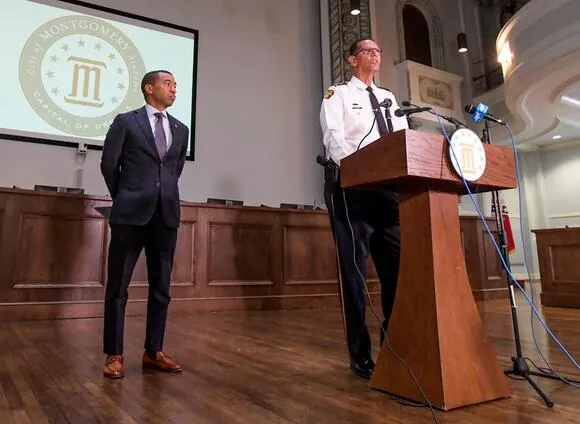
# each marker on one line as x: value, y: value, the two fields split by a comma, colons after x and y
x: 409, y: 160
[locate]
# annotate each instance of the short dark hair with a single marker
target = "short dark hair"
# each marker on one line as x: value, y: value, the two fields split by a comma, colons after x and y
x: 354, y: 46
x: 151, y: 77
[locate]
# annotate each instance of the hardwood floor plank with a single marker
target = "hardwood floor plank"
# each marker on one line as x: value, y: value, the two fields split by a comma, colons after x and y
x: 16, y: 371
x: 255, y: 366
x: 19, y: 417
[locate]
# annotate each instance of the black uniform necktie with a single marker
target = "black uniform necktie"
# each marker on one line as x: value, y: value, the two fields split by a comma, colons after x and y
x: 377, y: 110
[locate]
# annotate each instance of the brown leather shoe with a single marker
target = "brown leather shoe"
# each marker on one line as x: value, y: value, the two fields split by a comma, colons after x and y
x: 114, y: 367
x: 160, y: 362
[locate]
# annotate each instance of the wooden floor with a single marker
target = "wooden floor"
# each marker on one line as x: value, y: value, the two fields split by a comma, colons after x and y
x: 250, y: 367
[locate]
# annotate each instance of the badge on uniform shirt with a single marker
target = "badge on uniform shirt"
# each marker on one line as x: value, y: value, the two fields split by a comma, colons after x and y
x: 328, y: 94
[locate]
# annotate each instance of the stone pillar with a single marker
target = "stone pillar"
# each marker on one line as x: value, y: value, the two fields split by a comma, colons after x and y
x: 343, y: 29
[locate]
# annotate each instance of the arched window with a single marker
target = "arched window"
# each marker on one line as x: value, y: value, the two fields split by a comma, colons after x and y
x: 416, y: 28
x: 419, y: 30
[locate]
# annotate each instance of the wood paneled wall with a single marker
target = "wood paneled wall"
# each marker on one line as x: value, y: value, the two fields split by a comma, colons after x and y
x: 53, y: 258
x: 559, y: 257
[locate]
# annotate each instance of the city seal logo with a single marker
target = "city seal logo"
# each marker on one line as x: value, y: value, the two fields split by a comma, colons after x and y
x: 78, y: 72
x: 467, y: 155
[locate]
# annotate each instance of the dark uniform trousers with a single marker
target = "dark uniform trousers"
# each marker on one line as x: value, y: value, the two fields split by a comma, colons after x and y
x: 363, y: 222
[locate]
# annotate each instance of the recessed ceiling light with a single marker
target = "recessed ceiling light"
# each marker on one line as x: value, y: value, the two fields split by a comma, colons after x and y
x: 556, y: 137
x: 354, y: 7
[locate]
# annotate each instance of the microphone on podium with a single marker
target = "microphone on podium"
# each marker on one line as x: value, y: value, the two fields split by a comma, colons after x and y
x: 481, y: 112
x: 410, y: 111
x: 387, y: 103
x: 458, y: 124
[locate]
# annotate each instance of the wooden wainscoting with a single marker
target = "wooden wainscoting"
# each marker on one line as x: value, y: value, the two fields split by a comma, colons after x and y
x: 559, y: 257
x: 53, y: 258
x: 488, y: 280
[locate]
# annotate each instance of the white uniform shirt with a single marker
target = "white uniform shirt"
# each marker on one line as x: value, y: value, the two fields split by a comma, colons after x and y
x: 346, y: 117
x: 151, y: 111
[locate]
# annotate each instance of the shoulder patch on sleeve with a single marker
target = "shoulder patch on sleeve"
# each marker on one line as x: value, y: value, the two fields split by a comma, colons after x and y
x: 329, y: 93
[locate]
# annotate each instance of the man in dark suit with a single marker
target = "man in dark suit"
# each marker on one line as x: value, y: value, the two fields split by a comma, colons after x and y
x: 143, y: 156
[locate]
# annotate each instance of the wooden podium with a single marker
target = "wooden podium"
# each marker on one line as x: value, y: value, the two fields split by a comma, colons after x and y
x: 435, y: 326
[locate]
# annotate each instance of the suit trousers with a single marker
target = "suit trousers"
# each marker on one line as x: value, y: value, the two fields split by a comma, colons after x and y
x: 127, y: 242
x: 364, y: 222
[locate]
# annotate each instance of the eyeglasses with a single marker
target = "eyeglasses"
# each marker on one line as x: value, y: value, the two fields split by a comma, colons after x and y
x: 369, y: 51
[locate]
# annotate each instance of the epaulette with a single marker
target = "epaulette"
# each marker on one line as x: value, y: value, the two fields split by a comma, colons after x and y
x: 384, y: 88
x: 342, y: 83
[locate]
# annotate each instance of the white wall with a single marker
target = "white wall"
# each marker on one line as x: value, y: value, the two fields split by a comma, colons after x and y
x: 562, y: 187
x: 385, y: 19
x: 550, y: 190
x: 259, y: 93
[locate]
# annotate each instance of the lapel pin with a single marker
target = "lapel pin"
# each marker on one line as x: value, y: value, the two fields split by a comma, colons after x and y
x: 175, y: 125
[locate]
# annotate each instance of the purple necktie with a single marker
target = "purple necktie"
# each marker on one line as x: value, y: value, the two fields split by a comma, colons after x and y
x: 160, y: 140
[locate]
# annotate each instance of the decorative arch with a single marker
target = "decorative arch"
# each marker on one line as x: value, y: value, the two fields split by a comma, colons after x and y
x: 435, y: 34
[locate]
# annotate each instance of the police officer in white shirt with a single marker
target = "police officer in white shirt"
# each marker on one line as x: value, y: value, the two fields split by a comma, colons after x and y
x: 352, y: 115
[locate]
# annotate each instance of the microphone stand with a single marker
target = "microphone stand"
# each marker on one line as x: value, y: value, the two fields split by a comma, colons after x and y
x: 456, y: 122
x: 389, y: 120
x: 520, y: 366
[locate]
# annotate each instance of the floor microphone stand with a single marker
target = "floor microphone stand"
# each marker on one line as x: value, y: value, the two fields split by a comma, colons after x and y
x: 520, y: 366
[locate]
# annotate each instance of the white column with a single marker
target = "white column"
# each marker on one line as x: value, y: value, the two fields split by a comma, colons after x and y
x: 325, y: 45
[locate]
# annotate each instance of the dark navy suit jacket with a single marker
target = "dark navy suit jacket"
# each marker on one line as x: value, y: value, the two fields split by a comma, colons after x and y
x: 137, y: 178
